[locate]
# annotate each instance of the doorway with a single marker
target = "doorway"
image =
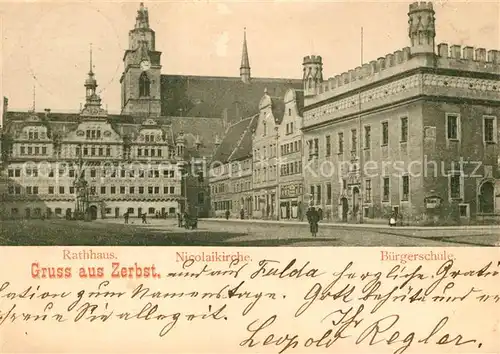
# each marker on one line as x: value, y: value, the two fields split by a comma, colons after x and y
x: 93, y: 212
x: 345, y: 208
x: 355, y: 201
x: 487, y: 198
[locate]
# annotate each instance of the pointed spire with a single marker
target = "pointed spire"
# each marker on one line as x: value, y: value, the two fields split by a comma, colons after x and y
x: 245, y: 63
x: 90, y: 71
x: 33, y: 107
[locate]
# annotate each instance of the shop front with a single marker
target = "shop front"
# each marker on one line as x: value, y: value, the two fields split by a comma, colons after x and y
x: 291, y: 200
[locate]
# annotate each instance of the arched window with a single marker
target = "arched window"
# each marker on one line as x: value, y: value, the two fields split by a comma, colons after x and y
x: 144, y: 85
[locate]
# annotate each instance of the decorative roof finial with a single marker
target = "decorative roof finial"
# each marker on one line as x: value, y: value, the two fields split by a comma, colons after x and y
x: 90, y: 62
x: 33, y: 107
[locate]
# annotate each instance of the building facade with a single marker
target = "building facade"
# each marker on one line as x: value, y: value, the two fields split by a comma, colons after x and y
x: 414, y: 132
x: 265, y: 144
x: 291, y: 183
x: 136, y: 161
x: 231, y: 171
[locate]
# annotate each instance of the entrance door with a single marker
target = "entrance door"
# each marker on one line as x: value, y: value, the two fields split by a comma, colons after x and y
x: 93, y: 212
x: 117, y: 213
x: 486, y: 198
x: 345, y: 208
x: 139, y: 212
x: 355, y: 201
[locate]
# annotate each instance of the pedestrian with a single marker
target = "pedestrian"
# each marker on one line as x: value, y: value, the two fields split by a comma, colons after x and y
x: 144, y: 218
x: 242, y: 214
x: 227, y: 214
x: 320, y: 214
x: 313, y: 218
x: 179, y: 220
x: 392, y: 219
x: 125, y: 216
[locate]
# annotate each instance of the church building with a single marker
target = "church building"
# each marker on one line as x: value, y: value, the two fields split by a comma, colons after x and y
x: 104, y: 165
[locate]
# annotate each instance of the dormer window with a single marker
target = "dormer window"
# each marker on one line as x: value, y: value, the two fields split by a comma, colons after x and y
x: 144, y: 85
x: 264, y: 133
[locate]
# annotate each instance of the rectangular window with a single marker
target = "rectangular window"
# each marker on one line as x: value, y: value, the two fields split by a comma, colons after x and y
x: 404, y: 129
x: 368, y: 190
x: 386, y: 189
x: 61, y: 190
x: 122, y: 190
x: 17, y: 173
x: 328, y: 146
x: 51, y: 190
x: 318, y: 194
x: 172, y: 190
x: 368, y: 138
x: 72, y: 190
x: 103, y: 190
x: 113, y: 190
x: 328, y: 193
x: 316, y: 147
x: 385, y: 133
x: 455, y: 185
x: 150, y: 190
x: 341, y: 143
x: 157, y: 190
x: 93, y: 173
x: 11, y: 173
x: 354, y: 140
x: 131, y: 190
x: 453, y: 126
x: 406, y: 188
x: 141, y: 190
x: 489, y: 129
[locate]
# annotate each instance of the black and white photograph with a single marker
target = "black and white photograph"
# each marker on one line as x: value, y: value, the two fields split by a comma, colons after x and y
x: 265, y: 124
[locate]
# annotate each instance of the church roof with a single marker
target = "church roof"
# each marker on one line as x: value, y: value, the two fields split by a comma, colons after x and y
x: 215, y: 97
x: 232, y: 138
x: 244, y: 149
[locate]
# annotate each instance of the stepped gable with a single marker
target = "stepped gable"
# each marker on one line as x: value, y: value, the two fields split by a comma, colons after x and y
x: 203, y: 96
x: 230, y: 140
x: 244, y: 148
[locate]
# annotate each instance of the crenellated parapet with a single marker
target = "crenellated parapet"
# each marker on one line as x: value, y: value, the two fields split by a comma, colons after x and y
x: 468, y: 55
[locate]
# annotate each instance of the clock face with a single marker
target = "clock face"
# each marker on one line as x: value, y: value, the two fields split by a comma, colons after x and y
x: 145, y: 65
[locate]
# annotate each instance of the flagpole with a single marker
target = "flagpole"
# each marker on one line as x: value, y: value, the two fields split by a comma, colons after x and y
x: 361, y: 152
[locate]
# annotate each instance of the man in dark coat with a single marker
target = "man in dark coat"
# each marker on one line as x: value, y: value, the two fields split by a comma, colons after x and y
x: 313, y: 219
x: 227, y: 214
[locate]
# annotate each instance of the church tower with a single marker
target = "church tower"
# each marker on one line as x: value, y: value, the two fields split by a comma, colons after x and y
x: 141, y: 78
x: 313, y: 74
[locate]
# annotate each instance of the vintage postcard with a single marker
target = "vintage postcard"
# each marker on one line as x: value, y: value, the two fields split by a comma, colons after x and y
x: 250, y: 177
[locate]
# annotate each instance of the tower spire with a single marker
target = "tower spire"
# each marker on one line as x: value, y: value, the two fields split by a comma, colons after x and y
x: 33, y: 107
x: 245, y: 63
x: 90, y: 71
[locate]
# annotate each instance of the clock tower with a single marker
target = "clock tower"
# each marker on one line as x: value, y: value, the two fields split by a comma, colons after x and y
x: 141, y: 78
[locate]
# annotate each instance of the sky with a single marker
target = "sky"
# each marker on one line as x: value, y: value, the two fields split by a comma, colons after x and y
x: 45, y: 45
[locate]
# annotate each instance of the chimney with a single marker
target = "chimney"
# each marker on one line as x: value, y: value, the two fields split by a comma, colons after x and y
x: 47, y: 112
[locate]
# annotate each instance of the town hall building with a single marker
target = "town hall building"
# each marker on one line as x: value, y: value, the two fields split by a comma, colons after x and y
x: 136, y: 162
